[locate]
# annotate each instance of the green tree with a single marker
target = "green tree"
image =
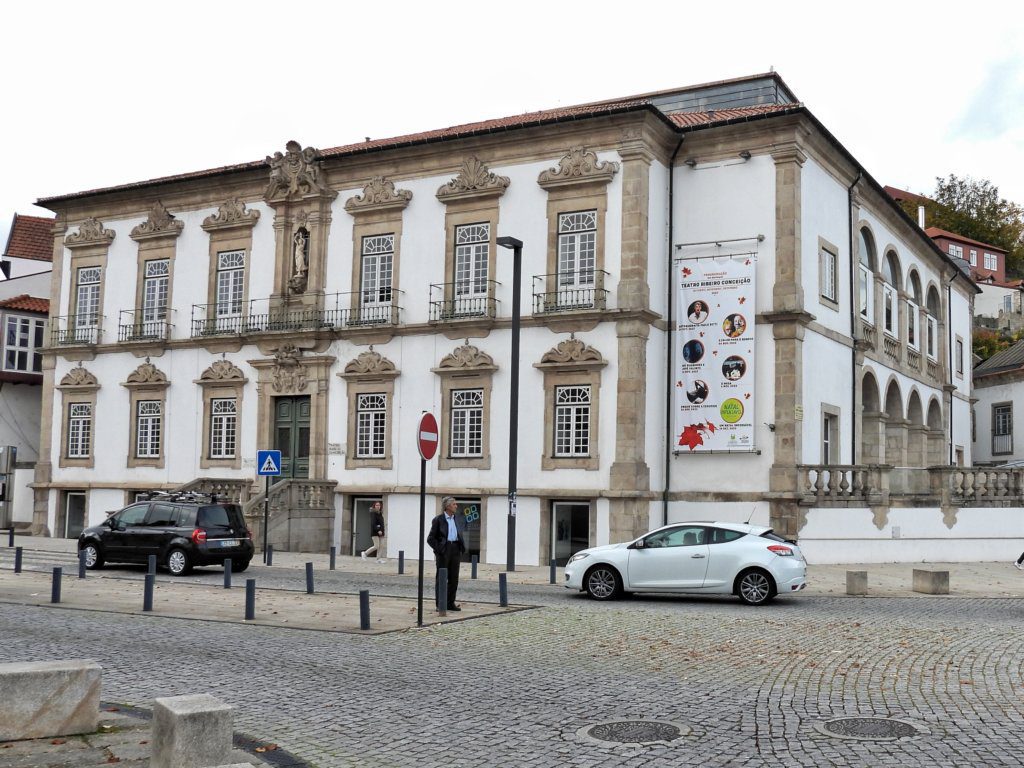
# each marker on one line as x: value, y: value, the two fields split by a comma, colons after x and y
x: 974, y: 209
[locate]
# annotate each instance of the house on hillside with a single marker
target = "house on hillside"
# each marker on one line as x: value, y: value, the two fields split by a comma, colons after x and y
x: 724, y: 316
x: 999, y: 413
x: 29, y: 249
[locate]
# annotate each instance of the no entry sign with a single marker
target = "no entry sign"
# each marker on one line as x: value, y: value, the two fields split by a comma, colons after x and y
x: 426, y: 436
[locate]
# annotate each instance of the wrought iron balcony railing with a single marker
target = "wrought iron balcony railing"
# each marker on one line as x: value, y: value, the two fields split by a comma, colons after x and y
x: 83, y: 328
x: 131, y: 326
x: 462, y: 300
x: 341, y: 310
x: 569, y: 291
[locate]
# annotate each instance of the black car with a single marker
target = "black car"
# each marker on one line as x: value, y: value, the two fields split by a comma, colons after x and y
x: 183, y: 531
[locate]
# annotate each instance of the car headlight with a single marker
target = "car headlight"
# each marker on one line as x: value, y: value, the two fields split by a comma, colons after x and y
x: 578, y: 556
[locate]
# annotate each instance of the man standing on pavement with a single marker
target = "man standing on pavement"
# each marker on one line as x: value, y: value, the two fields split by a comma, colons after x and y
x: 447, y: 538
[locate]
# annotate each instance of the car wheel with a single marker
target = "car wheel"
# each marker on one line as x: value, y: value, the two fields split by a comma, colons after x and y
x: 237, y: 566
x: 755, y: 587
x: 178, y: 562
x: 93, y: 556
x: 603, y: 582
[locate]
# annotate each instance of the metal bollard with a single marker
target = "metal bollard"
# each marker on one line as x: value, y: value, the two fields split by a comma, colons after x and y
x: 10, y: 536
x: 147, y: 592
x: 474, y: 561
x: 270, y: 554
x: 250, y: 599
x: 55, y: 589
x: 401, y: 562
x: 503, y: 590
x: 364, y: 609
x: 334, y: 557
x: 81, y: 563
x: 227, y: 573
x: 553, y: 566
x: 309, y: 578
x: 17, y: 559
x: 151, y: 569
x: 442, y: 591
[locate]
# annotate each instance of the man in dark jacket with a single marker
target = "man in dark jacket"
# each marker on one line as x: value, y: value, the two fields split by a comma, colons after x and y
x: 447, y: 538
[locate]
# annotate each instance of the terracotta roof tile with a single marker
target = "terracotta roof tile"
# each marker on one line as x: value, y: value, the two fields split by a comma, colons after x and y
x: 716, y: 116
x: 26, y: 303
x: 30, y: 238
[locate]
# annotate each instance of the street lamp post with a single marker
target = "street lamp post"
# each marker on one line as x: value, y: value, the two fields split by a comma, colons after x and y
x: 513, y: 429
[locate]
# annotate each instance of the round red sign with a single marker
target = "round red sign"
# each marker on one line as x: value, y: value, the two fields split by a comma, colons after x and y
x: 426, y: 436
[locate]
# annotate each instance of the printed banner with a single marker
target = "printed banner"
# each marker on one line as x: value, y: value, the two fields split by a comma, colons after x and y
x: 715, y: 354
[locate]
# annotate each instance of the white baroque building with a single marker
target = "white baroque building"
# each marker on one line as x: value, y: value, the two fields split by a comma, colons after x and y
x: 320, y: 301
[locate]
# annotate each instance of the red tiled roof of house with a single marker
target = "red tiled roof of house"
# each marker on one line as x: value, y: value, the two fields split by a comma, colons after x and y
x: 716, y: 116
x: 30, y: 238
x: 934, y: 232
x: 26, y: 303
x: 898, y: 194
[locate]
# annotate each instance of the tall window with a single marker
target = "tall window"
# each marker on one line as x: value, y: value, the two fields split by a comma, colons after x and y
x: 377, y: 268
x: 572, y: 421
x: 154, y: 290
x: 23, y: 340
x: 1002, y: 428
x: 890, y: 297
x: 913, y: 312
x: 959, y: 357
x: 87, y: 301
x: 371, y: 425
x: 829, y: 438
x: 1008, y: 303
x: 230, y: 285
x: 147, y: 429
x: 577, y: 257
x: 974, y: 258
x: 79, y: 430
x: 864, y: 275
x: 933, y: 324
x: 472, y: 251
x: 827, y: 259
x: 467, y: 423
x: 223, y: 427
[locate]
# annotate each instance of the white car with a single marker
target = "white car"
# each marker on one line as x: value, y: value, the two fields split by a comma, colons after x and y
x: 748, y: 561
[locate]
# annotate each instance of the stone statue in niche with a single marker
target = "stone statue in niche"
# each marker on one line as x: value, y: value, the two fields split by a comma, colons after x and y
x: 300, y: 258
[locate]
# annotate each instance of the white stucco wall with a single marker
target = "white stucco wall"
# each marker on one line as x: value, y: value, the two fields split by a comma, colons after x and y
x: 989, y: 303
x: 987, y: 396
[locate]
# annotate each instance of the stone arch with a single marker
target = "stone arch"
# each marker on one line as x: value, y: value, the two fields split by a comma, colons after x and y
x: 872, y: 434
x: 866, y: 245
x: 914, y: 286
x: 895, y: 425
x: 936, y: 433
x: 891, y: 269
x: 917, y: 444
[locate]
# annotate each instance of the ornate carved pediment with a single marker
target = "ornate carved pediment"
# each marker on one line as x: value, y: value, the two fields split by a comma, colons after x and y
x: 79, y: 378
x: 146, y: 375
x: 289, y: 374
x: 573, y: 353
x: 231, y: 214
x: 466, y: 358
x: 159, y: 224
x: 370, y: 364
x: 579, y: 166
x: 473, y: 180
x: 222, y: 372
x: 295, y: 174
x: 90, y: 232
x: 379, y: 195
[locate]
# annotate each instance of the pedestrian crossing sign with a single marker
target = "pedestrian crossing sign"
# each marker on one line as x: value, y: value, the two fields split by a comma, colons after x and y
x: 268, y: 463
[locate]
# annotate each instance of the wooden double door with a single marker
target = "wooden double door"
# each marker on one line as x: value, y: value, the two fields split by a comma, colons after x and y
x: 291, y: 434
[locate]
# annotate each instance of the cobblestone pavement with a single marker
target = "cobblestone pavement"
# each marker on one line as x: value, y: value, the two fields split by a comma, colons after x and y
x: 750, y: 687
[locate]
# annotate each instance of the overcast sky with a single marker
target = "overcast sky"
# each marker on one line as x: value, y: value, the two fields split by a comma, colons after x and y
x: 101, y: 93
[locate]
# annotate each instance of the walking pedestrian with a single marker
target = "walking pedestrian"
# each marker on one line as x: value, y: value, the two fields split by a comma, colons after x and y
x: 447, y: 538
x: 376, y: 533
x: 1019, y: 565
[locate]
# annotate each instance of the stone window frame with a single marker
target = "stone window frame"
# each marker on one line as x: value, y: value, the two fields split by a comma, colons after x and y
x: 827, y: 251
x: 571, y: 363
x: 367, y: 434
x: 221, y: 381
x: 834, y: 414
x: 146, y: 383
x: 958, y: 356
x: 465, y: 368
x: 77, y: 386
x: 156, y: 237
x: 89, y: 247
x: 230, y: 229
x: 579, y: 183
x: 370, y: 373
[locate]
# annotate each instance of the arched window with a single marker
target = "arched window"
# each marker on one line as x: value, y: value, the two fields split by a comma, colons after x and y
x: 864, y: 272
x: 890, y: 293
x: 932, y: 342
x: 913, y: 310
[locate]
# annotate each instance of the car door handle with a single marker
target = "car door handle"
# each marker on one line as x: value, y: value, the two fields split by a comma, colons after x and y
x: 696, y: 556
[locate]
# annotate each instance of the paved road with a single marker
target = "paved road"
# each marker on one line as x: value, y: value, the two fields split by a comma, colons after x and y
x: 747, y: 687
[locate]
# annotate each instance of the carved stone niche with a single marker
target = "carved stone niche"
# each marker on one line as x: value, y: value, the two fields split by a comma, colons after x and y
x: 232, y: 214
x: 578, y: 166
x: 379, y: 195
x: 288, y: 376
x: 473, y: 180
x: 160, y: 224
x: 90, y: 233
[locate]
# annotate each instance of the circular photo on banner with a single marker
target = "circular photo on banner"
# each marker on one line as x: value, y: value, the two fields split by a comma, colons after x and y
x: 731, y: 410
x: 698, y: 393
x: 693, y: 351
x: 697, y: 312
x: 734, y: 325
x: 733, y: 367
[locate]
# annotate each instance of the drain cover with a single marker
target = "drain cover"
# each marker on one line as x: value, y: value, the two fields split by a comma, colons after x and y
x: 870, y: 728
x: 633, y: 732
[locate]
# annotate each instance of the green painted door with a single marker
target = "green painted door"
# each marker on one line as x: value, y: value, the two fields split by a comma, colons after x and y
x: 291, y: 435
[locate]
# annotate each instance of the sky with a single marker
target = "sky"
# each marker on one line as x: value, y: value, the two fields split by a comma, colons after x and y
x: 101, y: 93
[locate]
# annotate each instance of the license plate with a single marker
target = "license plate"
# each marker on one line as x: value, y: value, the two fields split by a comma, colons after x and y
x: 229, y: 542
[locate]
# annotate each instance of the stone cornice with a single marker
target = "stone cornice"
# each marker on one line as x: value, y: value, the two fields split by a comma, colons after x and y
x: 578, y: 166
x: 571, y: 354
x: 146, y: 376
x: 90, y: 233
x: 232, y: 214
x: 370, y: 365
x: 160, y: 224
x: 221, y: 373
x: 466, y: 359
x: 79, y: 379
x: 473, y: 180
x: 379, y: 195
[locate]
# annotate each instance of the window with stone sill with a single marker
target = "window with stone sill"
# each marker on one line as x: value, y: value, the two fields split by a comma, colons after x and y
x: 933, y: 338
x: 572, y: 421
x: 223, y: 427
x: 371, y: 425
x: 230, y: 287
x: 890, y: 310
x: 79, y: 430
x: 87, y: 297
x: 466, y: 424
x: 959, y: 347
x: 577, y: 251
x: 913, y: 337
x: 154, y: 290
x: 148, y: 428
x: 377, y: 269
x: 827, y: 260
x: 472, y: 254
